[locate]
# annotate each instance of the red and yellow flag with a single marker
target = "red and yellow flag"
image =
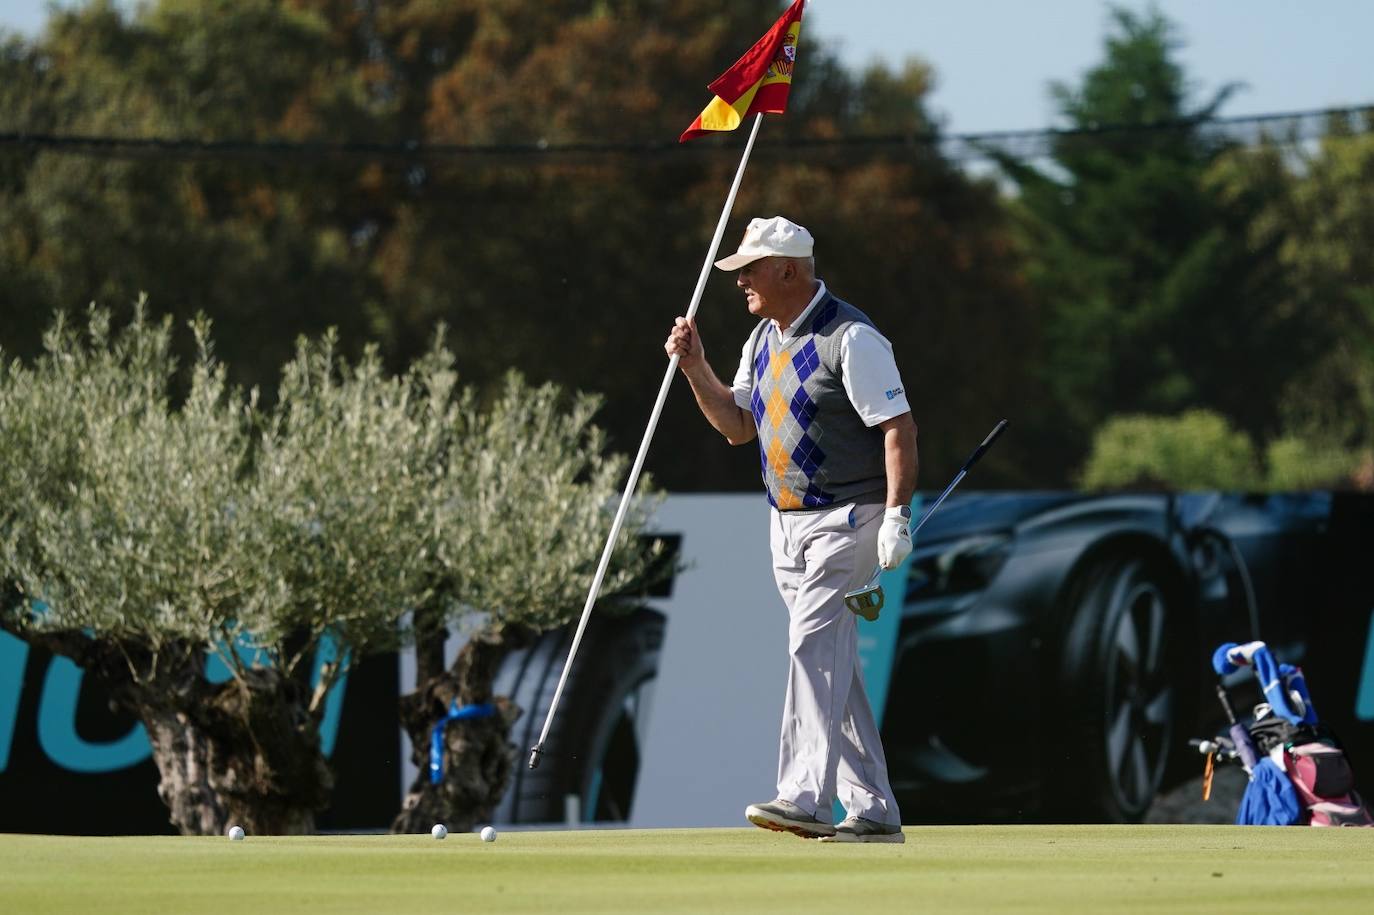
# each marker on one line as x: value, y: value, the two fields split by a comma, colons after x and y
x: 757, y: 83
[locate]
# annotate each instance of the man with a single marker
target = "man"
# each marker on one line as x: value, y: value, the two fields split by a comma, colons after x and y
x: 818, y: 386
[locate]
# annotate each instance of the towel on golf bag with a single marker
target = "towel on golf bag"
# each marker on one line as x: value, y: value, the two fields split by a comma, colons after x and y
x: 1284, y: 685
x: 1325, y: 785
x: 1269, y: 799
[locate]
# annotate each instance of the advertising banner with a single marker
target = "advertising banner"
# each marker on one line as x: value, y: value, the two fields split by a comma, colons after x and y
x: 1039, y: 655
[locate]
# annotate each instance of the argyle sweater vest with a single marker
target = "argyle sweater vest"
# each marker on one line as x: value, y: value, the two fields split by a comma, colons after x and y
x: 813, y: 446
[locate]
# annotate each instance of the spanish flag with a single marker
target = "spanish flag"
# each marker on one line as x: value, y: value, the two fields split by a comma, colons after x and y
x: 757, y: 83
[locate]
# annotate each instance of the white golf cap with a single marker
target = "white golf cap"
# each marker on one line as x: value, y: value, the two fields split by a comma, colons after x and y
x: 773, y: 237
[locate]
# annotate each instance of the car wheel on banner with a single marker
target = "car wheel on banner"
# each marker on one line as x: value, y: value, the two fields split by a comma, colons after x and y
x: 1111, y: 737
x: 592, y: 755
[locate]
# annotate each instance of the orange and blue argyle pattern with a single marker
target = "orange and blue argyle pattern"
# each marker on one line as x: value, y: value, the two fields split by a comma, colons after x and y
x: 784, y: 411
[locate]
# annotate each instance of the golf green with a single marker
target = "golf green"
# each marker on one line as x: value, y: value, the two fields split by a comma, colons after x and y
x: 717, y: 871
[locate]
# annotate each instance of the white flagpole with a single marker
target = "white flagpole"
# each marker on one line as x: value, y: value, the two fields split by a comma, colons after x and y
x: 643, y: 449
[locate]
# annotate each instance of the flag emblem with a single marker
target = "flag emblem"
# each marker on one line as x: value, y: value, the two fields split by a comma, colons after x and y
x: 782, y: 65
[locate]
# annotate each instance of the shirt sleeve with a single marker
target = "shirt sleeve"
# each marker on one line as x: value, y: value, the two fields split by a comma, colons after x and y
x: 743, y: 385
x: 870, y: 374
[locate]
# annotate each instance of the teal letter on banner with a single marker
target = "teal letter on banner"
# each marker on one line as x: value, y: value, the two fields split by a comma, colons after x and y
x: 14, y: 655
x: 1364, y: 695
x: 328, y: 653
x: 57, y: 727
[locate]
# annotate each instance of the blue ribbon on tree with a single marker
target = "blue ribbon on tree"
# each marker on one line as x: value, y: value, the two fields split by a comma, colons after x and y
x: 436, y: 737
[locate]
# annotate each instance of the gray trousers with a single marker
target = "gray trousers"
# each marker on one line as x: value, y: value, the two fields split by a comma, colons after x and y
x: 830, y: 745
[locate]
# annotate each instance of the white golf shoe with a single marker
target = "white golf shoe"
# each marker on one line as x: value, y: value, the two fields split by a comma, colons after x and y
x: 859, y: 829
x: 785, y: 816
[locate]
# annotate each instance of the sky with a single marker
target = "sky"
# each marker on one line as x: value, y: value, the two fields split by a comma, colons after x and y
x: 994, y: 59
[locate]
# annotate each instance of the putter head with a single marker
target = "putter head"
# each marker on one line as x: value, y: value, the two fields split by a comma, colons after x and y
x: 867, y: 601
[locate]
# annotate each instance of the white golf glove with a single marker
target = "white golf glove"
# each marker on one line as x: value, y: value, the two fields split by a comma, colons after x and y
x: 894, y: 537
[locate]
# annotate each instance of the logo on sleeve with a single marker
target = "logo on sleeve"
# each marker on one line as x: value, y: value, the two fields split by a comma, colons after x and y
x: 894, y: 393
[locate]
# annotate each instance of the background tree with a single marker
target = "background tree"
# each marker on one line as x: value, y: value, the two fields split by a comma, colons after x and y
x: 1315, y: 216
x: 263, y: 244
x: 1200, y: 449
x: 1196, y: 450
x: 589, y: 256
x: 1153, y: 301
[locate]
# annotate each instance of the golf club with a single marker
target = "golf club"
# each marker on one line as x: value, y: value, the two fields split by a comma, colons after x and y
x: 1240, y: 737
x: 867, y: 601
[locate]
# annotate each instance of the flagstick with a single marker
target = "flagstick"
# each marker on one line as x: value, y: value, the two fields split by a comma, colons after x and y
x: 643, y: 449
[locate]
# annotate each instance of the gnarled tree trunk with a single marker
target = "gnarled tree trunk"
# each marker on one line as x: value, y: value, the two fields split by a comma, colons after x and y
x: 247, y: 754
x: 239, y: 752
x: 478, y: 754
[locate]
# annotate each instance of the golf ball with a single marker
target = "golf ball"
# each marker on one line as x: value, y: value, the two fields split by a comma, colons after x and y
x: 488, y: 834
x: 439, y: 831
x: 236, y: 833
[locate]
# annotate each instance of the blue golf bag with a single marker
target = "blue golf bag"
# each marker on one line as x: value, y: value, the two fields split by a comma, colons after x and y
x: 1299, y: 774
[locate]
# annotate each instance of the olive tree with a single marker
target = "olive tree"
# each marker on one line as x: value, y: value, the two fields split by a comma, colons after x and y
x: 142, y: 533
x: 152, y: 519
x: 525, y: 492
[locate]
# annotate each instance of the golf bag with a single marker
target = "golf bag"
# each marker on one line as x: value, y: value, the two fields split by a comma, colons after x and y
x: 1299, y: 774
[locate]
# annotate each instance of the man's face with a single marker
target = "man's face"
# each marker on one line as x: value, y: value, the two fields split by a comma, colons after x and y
x: 764, y: 283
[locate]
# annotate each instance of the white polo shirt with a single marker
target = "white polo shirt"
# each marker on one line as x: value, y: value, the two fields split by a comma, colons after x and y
x: 867, y: 365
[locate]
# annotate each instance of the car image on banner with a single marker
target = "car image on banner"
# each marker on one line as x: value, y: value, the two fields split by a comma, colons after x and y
x: 1069, y: 637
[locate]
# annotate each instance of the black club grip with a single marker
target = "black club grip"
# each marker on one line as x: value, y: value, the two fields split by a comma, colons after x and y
x: 987, y: 443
